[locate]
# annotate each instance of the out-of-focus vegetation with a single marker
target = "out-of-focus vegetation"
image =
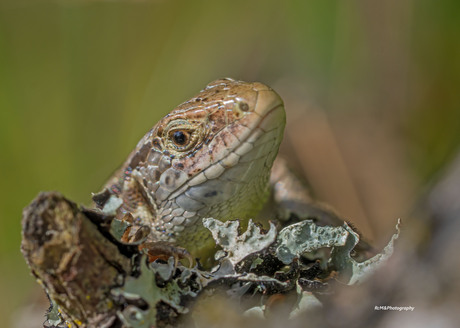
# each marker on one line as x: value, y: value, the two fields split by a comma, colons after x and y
x: 82, y: 81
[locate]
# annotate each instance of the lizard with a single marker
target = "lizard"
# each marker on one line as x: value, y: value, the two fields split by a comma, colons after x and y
x: 214, y: 155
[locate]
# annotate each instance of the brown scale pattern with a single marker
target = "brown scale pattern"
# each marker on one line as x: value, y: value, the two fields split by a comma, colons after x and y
x: 219, y: 118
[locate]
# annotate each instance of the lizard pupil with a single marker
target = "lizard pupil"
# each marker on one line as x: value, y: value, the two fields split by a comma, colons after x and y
x: 180, y: 138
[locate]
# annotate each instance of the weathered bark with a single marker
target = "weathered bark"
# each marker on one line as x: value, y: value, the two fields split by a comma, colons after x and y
x: 73, y: 260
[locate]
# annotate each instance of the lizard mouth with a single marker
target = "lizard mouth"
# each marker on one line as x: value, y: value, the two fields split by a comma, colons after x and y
x: 233, y: 167
x: 263, y: 140
x: 265, y: 134
x: 248, y: 133
x: 247, y: 164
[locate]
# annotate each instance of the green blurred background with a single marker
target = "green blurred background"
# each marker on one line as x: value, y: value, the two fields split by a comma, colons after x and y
x: 375, y: 84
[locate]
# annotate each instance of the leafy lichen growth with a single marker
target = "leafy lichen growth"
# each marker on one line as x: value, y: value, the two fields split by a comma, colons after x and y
x: 351, y: 271
x: 239, y: 246
x: 306, y: 236
x: 253, y: 264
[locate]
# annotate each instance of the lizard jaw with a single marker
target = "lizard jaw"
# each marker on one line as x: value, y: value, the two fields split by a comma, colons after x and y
x: 235, y: 186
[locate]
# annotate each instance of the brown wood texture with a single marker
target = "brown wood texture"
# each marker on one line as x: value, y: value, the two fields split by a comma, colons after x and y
x: 72, y: 259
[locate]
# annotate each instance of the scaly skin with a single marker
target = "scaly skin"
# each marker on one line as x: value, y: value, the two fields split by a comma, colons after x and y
x: 210, y: 157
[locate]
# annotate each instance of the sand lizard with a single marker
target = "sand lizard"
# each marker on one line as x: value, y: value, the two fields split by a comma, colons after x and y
x: 212, y: 156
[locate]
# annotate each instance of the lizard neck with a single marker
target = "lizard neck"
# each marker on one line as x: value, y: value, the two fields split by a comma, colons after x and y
x: 210, y: 157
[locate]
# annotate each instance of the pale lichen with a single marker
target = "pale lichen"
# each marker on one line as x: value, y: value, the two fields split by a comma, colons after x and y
x: 239, y: 246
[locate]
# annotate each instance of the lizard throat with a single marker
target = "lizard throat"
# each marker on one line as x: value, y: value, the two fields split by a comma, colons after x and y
x: 235, y: 186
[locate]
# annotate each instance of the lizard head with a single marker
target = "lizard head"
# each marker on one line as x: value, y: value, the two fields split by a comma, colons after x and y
x: 210, y: 157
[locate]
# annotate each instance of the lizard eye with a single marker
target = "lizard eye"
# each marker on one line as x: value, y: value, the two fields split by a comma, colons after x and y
x: 181, y: 137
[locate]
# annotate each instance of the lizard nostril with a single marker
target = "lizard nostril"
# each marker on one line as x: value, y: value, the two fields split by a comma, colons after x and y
x: 243, y: 106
